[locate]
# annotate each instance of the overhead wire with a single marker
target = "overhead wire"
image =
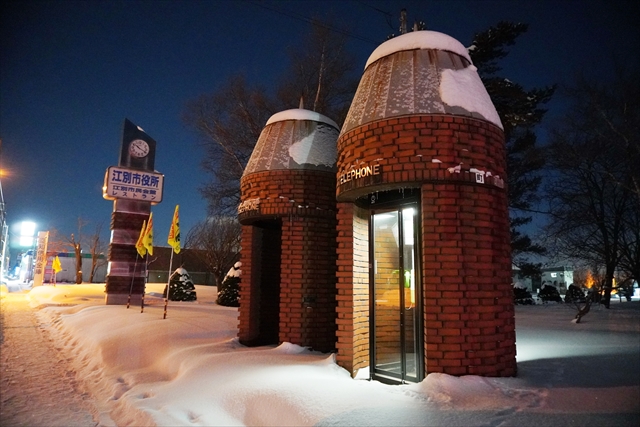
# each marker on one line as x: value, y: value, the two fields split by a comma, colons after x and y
x: 309, y: 20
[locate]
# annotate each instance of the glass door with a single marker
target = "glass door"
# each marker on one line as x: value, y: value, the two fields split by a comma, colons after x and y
x: 395, y: 321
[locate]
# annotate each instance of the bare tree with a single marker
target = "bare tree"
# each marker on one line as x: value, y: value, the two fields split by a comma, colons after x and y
x: 322, y: 73
x: 230, y: 120
x: 76, y: 245
x: 228, y: 123
x: 593, y: 159
x: 218, y: 242
x: 96, y: 248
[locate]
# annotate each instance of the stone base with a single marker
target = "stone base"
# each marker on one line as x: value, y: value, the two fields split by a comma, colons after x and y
x: 121, y: 299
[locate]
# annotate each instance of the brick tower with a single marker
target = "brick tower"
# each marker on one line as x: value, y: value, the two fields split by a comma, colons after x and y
x: 288, y: 217
x: 424, y: 263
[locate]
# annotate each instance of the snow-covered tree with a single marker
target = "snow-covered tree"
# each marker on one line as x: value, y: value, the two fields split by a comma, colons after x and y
x: 521, y: 294
x: 181, y: 287
x: 549, y: 293
x: 229, y: 292
x: 218, y: 242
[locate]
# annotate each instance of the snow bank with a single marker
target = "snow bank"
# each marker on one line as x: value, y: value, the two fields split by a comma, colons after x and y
x: 190, y: 370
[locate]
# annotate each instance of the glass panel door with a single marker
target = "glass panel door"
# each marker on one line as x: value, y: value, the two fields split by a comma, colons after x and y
x: 395, y: 347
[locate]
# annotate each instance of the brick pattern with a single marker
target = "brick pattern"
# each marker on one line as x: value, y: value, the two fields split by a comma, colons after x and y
x: 248, y: 325
x: 416, y: 149
x: 466, y: 269
x: 284, y: 193
x: 308, y: 291
x: 352, y: 287
x: 302, y: 204
x: 469, y: 325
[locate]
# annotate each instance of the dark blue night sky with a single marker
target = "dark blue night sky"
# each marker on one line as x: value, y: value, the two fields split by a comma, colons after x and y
x: 71, y: 72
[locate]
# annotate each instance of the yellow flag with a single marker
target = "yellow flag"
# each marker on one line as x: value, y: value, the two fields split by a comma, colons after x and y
x: 139, y: 244
x: 174, y: 232
x: 56, y: 264
x: 147, y: 240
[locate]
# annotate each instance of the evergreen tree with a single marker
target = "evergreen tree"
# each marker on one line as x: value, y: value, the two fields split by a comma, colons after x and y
x: 181, y: 286
x: 521, y: 295
x: 520, y: 111
x: 229, y: 292
x: 549, y: 293
x: 229, y: 295
x: 574, y: 294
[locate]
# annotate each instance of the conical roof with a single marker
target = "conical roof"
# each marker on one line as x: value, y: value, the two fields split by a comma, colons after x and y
x: 295, y: 139
x: 422, y: 72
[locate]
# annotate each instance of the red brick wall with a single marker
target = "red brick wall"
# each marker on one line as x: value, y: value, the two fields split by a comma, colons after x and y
x: 248, y: 324
x: 303, y: 203
x: 406, y: 147
x: 308, y: 283
x: 469, y: 325
x: 466, y: 270
x: 284, y: 193
x: 353, y: 287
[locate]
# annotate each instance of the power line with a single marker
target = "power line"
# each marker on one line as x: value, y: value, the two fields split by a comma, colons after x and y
x: 308, y: 20
x: 387, y: 15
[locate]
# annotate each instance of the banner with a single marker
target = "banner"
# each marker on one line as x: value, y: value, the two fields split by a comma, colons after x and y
x: 174, y: 232
x: 142, y: 251
x: 147, y: 240
x: 57, y: 267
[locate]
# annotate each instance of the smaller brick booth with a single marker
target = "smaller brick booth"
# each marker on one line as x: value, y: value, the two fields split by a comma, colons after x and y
x: 288, y: 217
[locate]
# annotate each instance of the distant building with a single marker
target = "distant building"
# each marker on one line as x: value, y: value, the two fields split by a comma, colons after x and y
x: 68, y: 272
x: 560, y: 277
x: 158, y: 267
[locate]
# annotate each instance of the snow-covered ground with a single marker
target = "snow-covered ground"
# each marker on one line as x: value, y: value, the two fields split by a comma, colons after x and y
x: 190, y: 370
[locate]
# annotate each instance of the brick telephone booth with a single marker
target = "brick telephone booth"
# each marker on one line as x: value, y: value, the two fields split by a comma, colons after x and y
x: 288, y: 217
x: 423, y: 269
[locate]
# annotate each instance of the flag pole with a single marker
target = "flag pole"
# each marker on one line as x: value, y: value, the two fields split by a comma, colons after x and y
x: 144, y: 282
x: 147, y: 243
x: 135, y: 265
x: 166, y: 296
x: 174, y: 242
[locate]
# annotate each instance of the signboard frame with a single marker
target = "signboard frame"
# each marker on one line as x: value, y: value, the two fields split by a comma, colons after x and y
x: 133, y: 184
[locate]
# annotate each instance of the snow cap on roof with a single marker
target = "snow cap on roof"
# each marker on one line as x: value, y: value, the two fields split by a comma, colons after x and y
x: 419, y: 40
x: 423, y: 72
x: 300, y: 114
x: 295, y: 139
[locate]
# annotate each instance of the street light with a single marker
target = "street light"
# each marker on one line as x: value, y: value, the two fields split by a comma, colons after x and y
x: 27, y: 231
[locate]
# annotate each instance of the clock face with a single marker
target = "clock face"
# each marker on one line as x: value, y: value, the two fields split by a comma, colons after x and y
x: 138, y: 148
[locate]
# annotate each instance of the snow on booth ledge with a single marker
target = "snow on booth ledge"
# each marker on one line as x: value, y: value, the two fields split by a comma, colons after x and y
x: 295, y: 139
x: 422, y: 72
x: 419, y: 40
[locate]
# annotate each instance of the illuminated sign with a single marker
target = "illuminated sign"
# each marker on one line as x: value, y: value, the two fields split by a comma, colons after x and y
x: 132, y: 184
x: 249, y: 205
x: 357, y: 173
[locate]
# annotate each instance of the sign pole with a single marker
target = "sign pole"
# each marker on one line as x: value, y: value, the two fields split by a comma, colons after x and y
x: 166, y: 296
x: 135, y: 265
x: 144, y: 282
